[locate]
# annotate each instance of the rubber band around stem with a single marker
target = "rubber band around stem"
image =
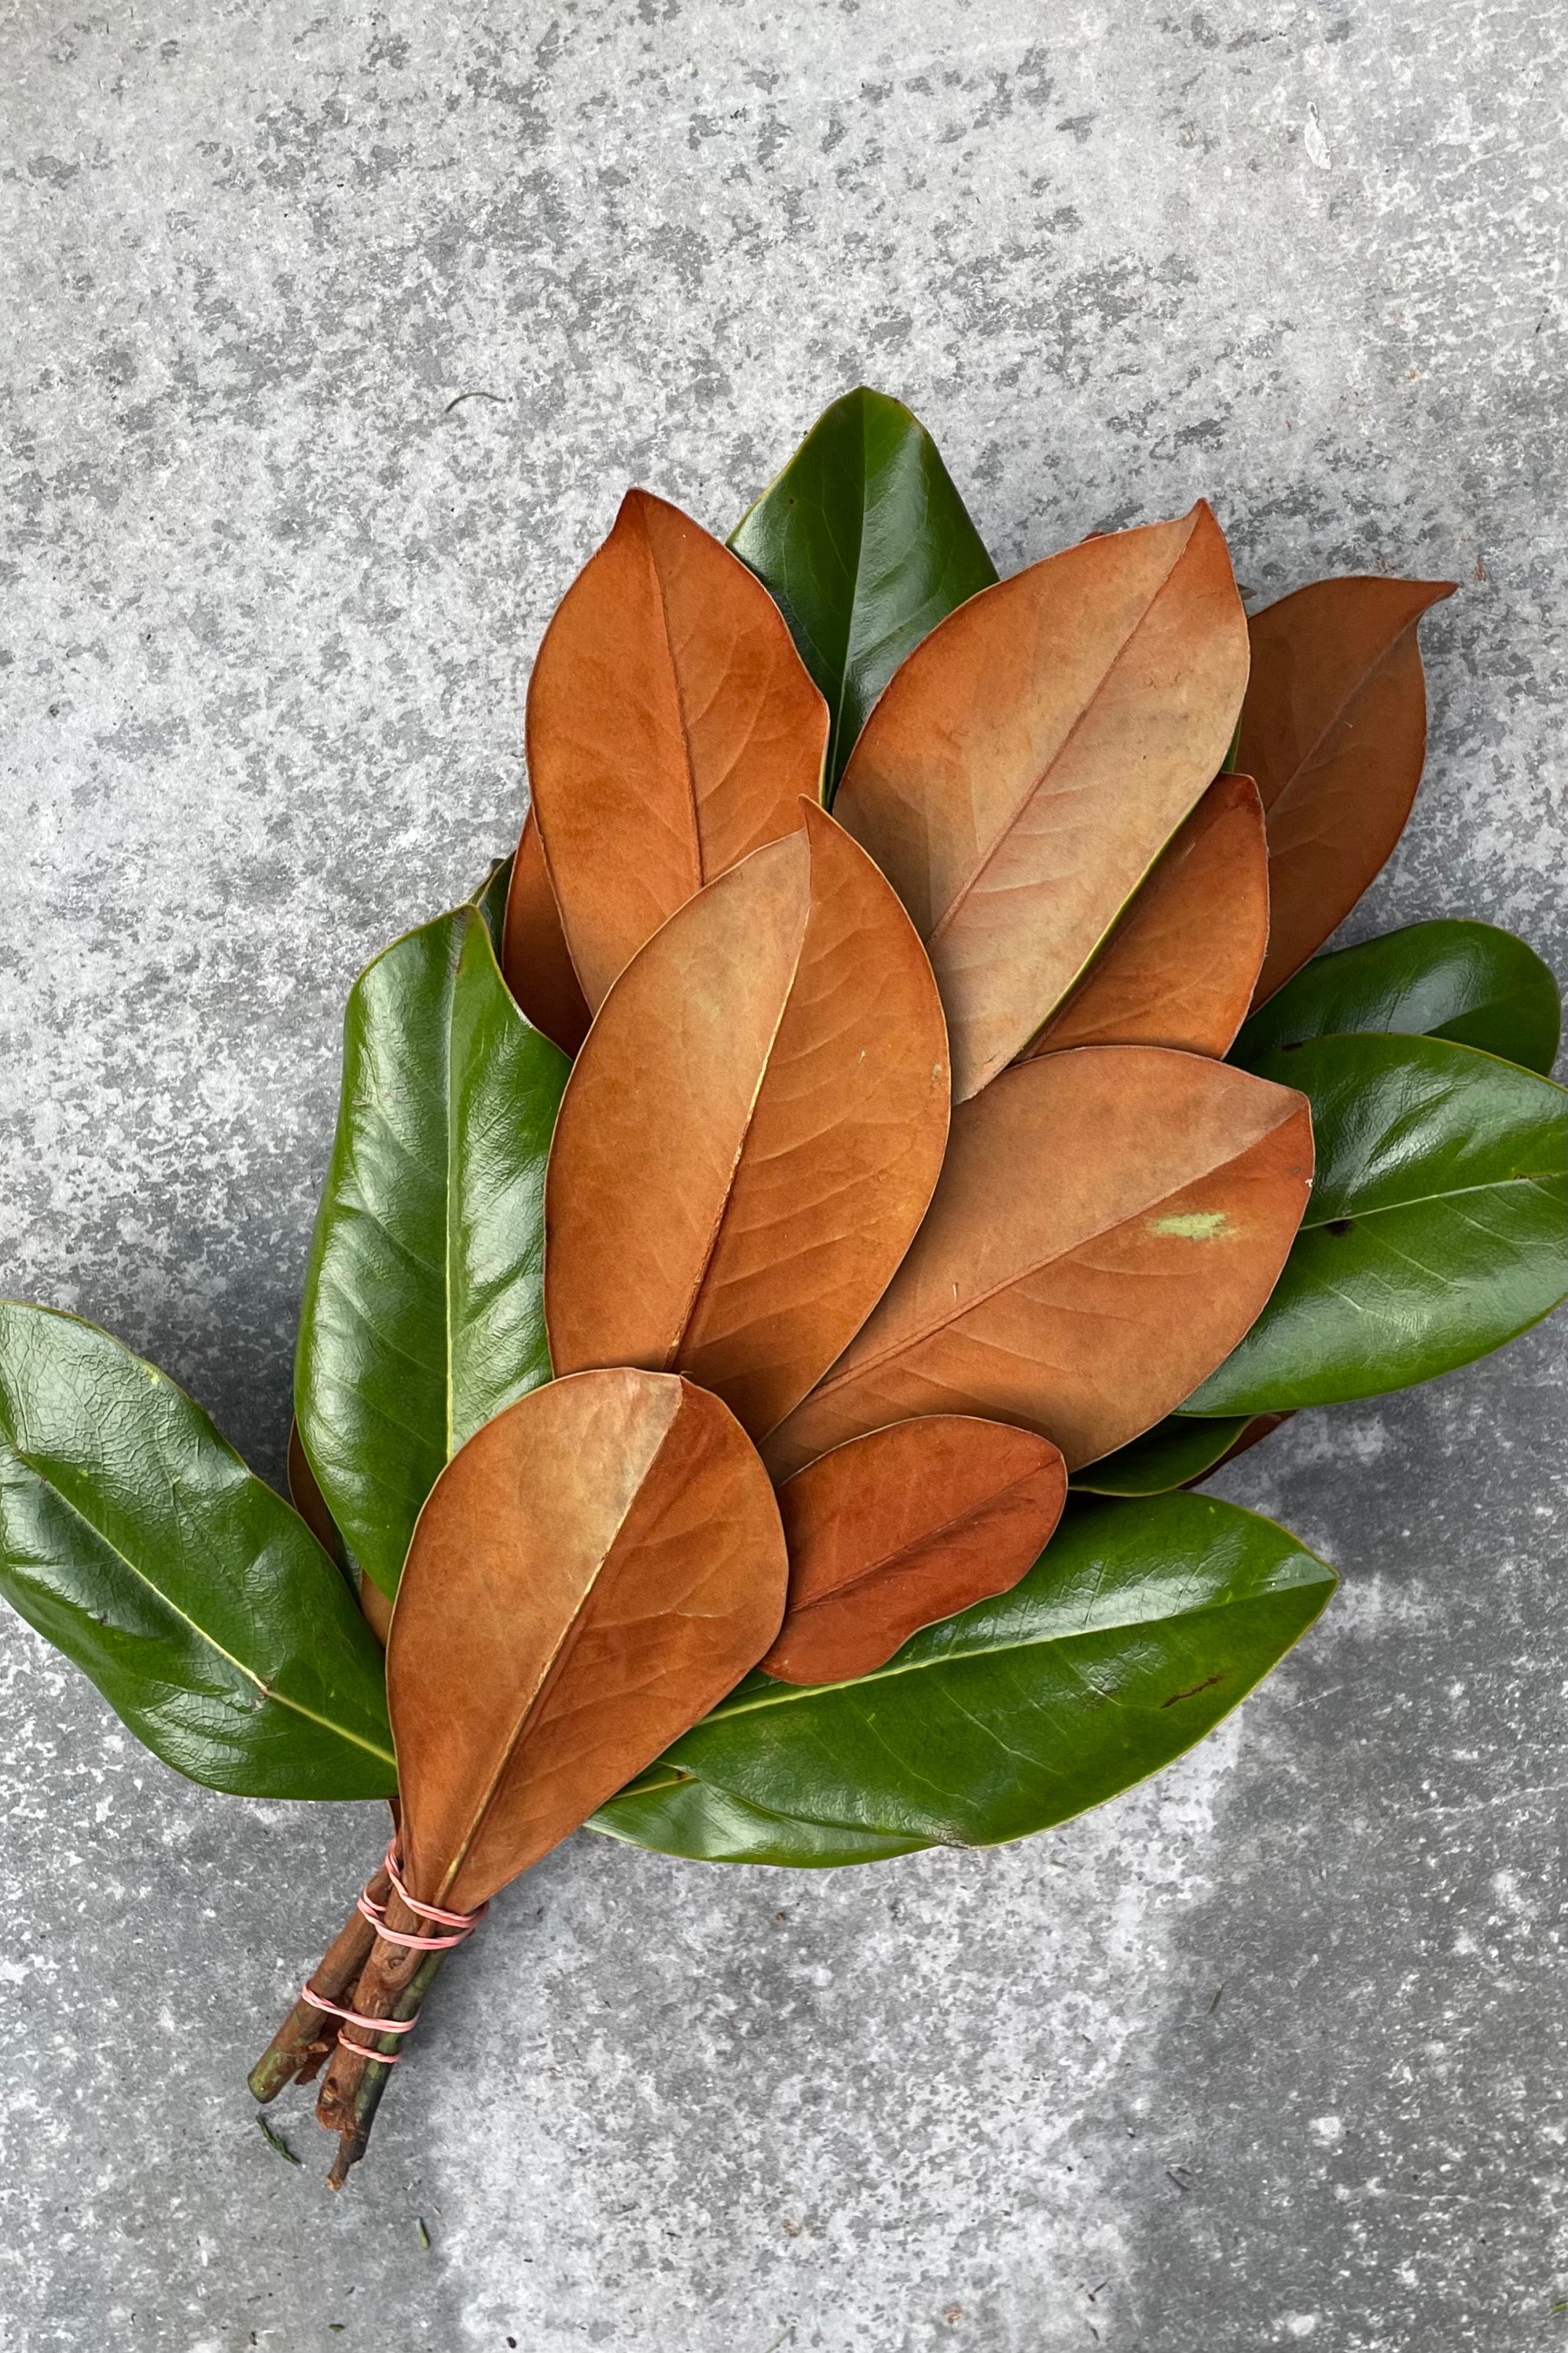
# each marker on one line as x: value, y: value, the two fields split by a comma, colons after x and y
x: 462, y: 1923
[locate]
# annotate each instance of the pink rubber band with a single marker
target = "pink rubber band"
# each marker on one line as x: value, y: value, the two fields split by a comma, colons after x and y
x: 352, y: 2017
x: 463, y: 1922
x: 467, y: 1921
x: 376, y: 1914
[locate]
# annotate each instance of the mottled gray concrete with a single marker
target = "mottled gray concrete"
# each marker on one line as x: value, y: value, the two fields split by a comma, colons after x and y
x: 272, y: 604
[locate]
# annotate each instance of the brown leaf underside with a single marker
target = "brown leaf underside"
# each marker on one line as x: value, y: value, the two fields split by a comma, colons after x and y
x: 752, y: 1133
x: 1032, y: 758
x: 1334, y: 730
x: 671, y: 730
x: 1179, y: 968
x: 534, y: 955
x: 591, y: 1572
x: 904, y: 1526
x: 1109, y: 1223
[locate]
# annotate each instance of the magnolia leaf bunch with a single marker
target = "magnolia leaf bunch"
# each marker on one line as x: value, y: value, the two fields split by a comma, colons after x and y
x: 795, y: 1238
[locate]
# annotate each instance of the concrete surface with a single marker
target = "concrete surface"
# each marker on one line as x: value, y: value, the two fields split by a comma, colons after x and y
x: 1267, y: 2055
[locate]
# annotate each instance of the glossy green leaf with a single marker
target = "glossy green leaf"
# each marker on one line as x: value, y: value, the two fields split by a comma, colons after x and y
x: 423, y: 1309
x: 134, y: 1537
x: 1138, y: 1630
x: 1469, y: 982
x: 1172, y: 1454
x: 490, y: 900
x: 1435, y: 1230
x: 865, y: 545
x: 675, y: 1813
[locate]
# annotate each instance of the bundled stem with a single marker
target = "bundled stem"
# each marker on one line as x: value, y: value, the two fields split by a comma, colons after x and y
x: 371, y: 2081
x: 373, y: 1976
x: 388, y: 1974
x: 307, y: 2034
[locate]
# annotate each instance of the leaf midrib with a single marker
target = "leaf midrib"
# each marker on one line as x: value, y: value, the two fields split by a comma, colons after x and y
x: 902, y: 1347
x: 787, y: 1693
x: 924, y: 1541
x: 694, y: 804
x: 852, y: 606
x: 1422, y: 1200
x: 1337, y: 718
x: 549, y: 1674
x: 710, y: 1247
x: 268, y: 1691
x: 972, y: 881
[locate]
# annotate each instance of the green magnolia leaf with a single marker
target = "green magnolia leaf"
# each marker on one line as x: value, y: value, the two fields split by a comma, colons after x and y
x: 865, y: 545
x: 1469, y: 982
x: 134, y: 1537
x: 1142, y: 1626
x: 490, y: 900
x: 1175, y: 1451
x: 1434, y: 1232
x: 424, y: 1309
x: 675, y: 1813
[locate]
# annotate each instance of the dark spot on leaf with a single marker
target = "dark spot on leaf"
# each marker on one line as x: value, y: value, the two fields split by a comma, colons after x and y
x: 1206, y: 1685
x: 1339, y: 1225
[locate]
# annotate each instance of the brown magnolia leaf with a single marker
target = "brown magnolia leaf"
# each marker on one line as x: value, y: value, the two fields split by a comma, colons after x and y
x: 1029, y: 761
x: 1108, y: 1225
x: 904, y: 1526
x: 534, y: 954
x: 590, y: 1574
x: 1179, y: 968
x: 1334, y: 729
x: 752, y: 1133
x: 672, y: 728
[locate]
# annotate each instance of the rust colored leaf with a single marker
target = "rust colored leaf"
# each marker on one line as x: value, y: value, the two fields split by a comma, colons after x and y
x: 752, y: 1133
x: 534, y: 955
x: 904, y: 1526
x: 1179, y: 968
x: 671, y: 730
x: 1032, y: 758
x: 1334, y: 729
x: 591, y: 1573
x: 1108, y: 1225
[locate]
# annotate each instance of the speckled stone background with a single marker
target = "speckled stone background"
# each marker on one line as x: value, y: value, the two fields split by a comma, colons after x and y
x: 1266, y: 2054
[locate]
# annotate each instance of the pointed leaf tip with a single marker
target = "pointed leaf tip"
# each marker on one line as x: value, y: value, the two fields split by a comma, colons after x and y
x: 1180, y: 966
x: 534, y: 956
x: 671, y: 728
x: 1334, y: 730
x: 865, y: 545
x: 1032, y: 758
